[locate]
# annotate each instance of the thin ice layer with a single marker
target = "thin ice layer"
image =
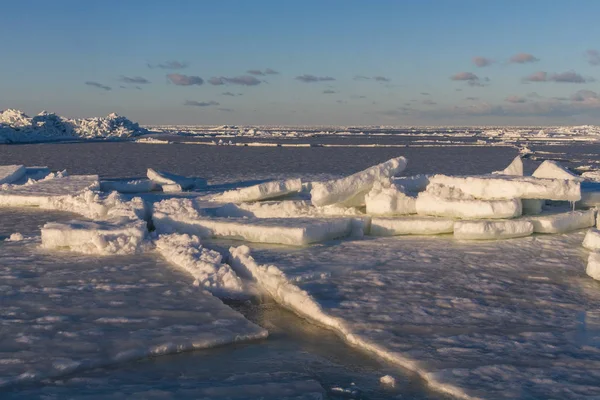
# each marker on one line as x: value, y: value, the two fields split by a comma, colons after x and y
x: 592, y: 239
x: 563, y: 222
x: 290, y: 231
x: 553, y: 170
x: 263, y: 191
x: 351, y: 190
x: 130, y: 186
x: 204, y: 265
x: 492, y: 230
x: 64, y: 313
x: 412, y: 225
x: 120, y: 237
x: 436, y: 204
x: 11, y: 173
x: 279, y: 209
x: 493, y: 320
x: 495, y: 187
x: 173, y: 181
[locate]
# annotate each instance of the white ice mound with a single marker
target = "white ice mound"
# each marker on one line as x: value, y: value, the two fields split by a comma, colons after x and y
x: 351, y: 190
x: 17, y: 127
x: 129, y: 186
x: 514, y: 168
x: 593, y: 176
x: 593, y: 265
x: 390, y: 200
x: 563, y: 222
x: 174, y: 183
x: 11, y: 173
x: 263, y: 191
x: 411, y: 225
x: 592, y: 239
x: 101, y: 238
x: 553, y: 170
x: 491, y: 230
x: 204, y: 265
x: 497, y: 187
x: 444, y: 201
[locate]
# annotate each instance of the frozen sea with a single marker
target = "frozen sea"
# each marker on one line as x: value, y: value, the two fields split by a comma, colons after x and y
x: 482, y: 316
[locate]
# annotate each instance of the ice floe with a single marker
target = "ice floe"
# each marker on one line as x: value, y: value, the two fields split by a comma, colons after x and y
x: 553, y: 170
x: 174, y: 183
x: 492, y: 230
x: 11, y: 173
x: 410, y: 225
x: 128, y: 186
x: 561, y: 222
x: 389, y: 200
x: 263, y: 191
x: 514, y: 168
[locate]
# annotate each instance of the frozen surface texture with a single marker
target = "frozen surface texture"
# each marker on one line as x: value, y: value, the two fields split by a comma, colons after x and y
x: 593, y: 266
x: 563, y: 222
x: 128, y: 186
x: 389, y: 200
x: 411, y: 225
x: 472, y: 318
x: 204, y: 265
x: 174, y: 183
x: 351, y: 190
x: 280, y: 209
x: 11, y: 173
x: 16, y: 127
x: 492, y: 230
x: 553, y: 170
x: 592, y: 239
x: 263, y: 191
x: 514, y: 168
x: 497, y: 187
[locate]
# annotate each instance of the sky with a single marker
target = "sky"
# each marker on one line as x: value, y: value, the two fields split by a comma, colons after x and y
x: 338, y: 62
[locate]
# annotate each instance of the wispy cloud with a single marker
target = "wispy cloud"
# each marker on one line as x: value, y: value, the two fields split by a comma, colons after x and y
x: 429, y: 102
x: 230, y: 94
x: 312, y: 78
x: 593, y: 57
x: 378, y: 78
x: 515, y: 99
x: 523, y: 58
x: 584, y: 96
x: 425, y: 94
x: 138, y: 80
x: 469, y: 77
x: 226, y: 109
x: 98, y: 85
x: 258, y: 72
x: 329, y: 91
x: 381, y: 79
x: 200, y: 103
x: 185, y: 80
x: 562, y: 77
x: 482, y: 61
x: 170, y: 65
x: 472, y: 98
x: 244, y: 80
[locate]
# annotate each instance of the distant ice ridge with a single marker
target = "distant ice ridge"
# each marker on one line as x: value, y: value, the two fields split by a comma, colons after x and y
x: 17, y: 127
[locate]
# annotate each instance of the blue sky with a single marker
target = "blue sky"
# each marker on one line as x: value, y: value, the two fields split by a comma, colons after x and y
x: 337, y: 62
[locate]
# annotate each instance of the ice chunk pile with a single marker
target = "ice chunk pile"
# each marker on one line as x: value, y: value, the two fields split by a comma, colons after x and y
x: 128, y: 186
x: 263, y: 191
x: 17, y: 127
x: 351, y: 190
x: 174, y: 183
x: 389, y: 199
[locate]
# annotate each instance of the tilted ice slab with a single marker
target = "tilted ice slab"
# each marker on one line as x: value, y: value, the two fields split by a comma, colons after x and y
x: 563, y: 222
x: 204, y: 265
x: 411, y: 225
x: 174, y: 183
x: 436, y: 204
x: 493, y: 320
x: 124, y: 236
x: 553, y: 170
x: 492, y: 230
x: 391, y: 200
x: 592, y: 239
x: 280, y: 209
x: 412, y: 184
x: 65, y: 313
x: 131, y: 186
x: 351, y: 190
x: 263, y: 191
x: 496, y: 187
x: 514, y: 168
x: 11, y: 173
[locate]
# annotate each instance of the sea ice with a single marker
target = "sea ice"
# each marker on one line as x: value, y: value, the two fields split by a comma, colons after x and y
x: 563, y: 222
x: 444, y: 201
x: 11, y: 173
x: 173, y: 183
x: 263, y: 191
x: 533, y: 206
x: 515, y: 168
x: 411, y: 225
x: 205, y: 266
x: 553, y: 170
x: 280, y: 209
x: 389, y: 200
x: 15, y: 237
x: 592, y: 239
x: 388, y: 380
x: 351, y: 190
x: 131, y: 186
x: 412, y: 184
x: 496, y: 187
x: 491, y: 230
x: 593, y: 265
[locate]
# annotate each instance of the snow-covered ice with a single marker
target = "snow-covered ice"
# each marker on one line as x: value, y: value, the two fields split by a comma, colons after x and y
x: 388, y: 380
x: 389, y: 200
x: 102, y: 238
x: 593, y: 265
x: 204, y: 265
x: 15, y: 237
x: 497, y: 187
x: 591, y: 241
x: 410, y: 225
x: 174, y: 183
x: 514, y: 168
x: 492, y: 229
x: 562, y: 222
x: 263, y: 191
x: 11, y: 173
x: 128, y: 186
x: 553, y: 170
x: 532, y: 206
x: 280, y: 209
x: 351, y: 190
